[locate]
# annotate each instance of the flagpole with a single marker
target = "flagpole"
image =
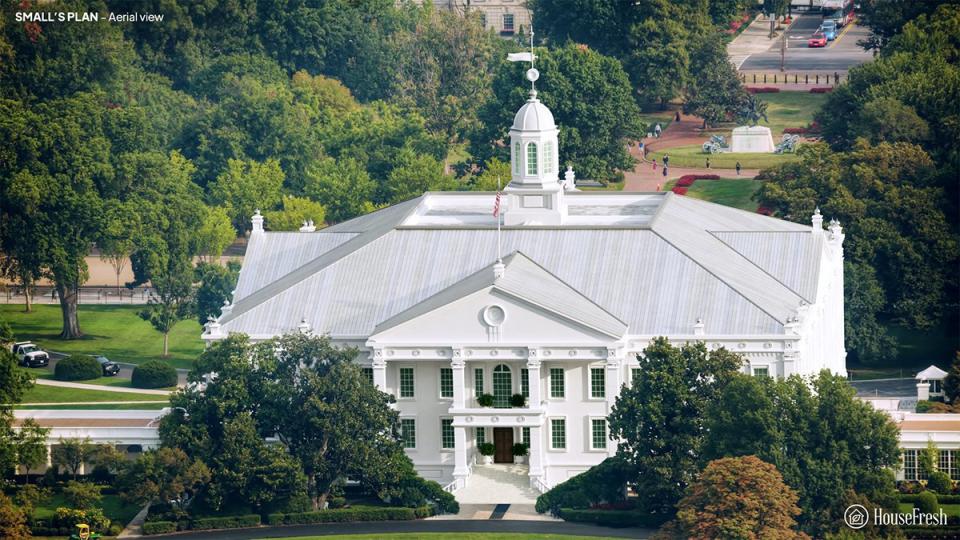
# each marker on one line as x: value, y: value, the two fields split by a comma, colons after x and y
x: 498, y: 222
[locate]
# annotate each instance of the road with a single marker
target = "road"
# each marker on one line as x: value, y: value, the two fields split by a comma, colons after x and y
x: 839, y: 55
x: 126, y: 370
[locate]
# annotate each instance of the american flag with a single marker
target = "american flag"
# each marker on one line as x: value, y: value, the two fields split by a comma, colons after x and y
x: 496, y: 206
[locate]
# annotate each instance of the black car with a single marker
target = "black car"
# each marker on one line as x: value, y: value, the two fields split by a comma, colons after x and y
x: 109, y: 368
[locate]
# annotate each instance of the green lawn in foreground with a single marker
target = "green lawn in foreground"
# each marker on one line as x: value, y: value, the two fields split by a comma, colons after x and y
x: 693, y: 156
x: 790, y: 109
x: 449, y: 536
x: 115, y: 331
x: 97, y: 407
x: 735, y: 192
x: 56, y: 394
x: 112, y: 505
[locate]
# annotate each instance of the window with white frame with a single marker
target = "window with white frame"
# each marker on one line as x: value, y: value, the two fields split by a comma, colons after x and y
x: 525, y: 382
x: 502, y: 386
x: 408, y: 432
x: 446, y: 382
x: 525, y: 436
x: 548, y: 157
x: 910, y: 469
x: 406, y: 382
x: 368, y: 373
x: 447, y: 440
x: 508, y: 22
x: 481, y: 435
x: 556, y: 383
x: 598, y: 434
x: 531, y: 159
x: 598, y: 383
x: 478, y: 381
x: 947, y: 463
x: 558, y: 433
x: 761, y: 371
x: 634, y: 374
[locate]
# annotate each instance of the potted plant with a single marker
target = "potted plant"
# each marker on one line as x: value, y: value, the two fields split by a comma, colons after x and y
x: 485, y: 400
x: 519, y: 453
x: 517, y: 400
x: 486, y: 450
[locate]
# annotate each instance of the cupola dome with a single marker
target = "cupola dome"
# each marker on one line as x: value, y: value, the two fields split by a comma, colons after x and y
x: 533, y: 116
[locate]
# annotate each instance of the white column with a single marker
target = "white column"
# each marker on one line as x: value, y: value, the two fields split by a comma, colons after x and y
x: 49, y: 456
x: 536, y: 456
x: 612, y: 378
x: 379, y: 370
x: 459, y: 387
x: 533, y: 370
x: 460, y: 469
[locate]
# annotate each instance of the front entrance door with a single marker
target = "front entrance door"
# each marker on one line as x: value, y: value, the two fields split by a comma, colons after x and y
x: 503, y: 442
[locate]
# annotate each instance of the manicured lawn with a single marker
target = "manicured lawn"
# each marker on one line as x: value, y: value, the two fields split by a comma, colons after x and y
x: 948, y: 509
x: 650, y: 119
x: 449, y: 536
x: 735, y: 192
x: 790, y: 109
x: 98, y: 407
x: 115, y: 331
x: 693, y: 156
x: 612, y: 186
x: 55, y: 394
x: 113, y: 507
x: 116, y: 381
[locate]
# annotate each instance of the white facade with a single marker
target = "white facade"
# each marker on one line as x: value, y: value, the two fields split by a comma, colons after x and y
x: 587, y: 280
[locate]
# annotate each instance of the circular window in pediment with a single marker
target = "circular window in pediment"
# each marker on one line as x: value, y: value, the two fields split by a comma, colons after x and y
x: 494, y: 315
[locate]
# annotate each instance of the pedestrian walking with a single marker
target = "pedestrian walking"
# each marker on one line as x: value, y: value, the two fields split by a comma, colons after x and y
x: 657, y: 129
x: 708, y: 163
x: 666, y: 160
x: 664, y: 171
x: 678, y: 116
x: 738, y: 168
x: 654, y: 163
x: 659, y: 187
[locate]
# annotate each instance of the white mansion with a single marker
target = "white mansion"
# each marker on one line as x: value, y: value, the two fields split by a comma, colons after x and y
x: 587, y: 279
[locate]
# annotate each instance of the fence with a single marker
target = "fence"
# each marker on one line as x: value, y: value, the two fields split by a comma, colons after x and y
x: 85, y: 295
x: 830, y: 79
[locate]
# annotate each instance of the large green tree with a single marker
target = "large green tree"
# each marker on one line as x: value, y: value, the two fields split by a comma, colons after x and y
x: 594, y: 130
x: 14, y: 383
x: 246, y: 187
x: 659, y: 418
x: 714, y: 93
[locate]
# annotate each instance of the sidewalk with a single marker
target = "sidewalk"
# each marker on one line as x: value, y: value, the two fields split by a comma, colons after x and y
x: 102, y: 388
x: 753, y: 40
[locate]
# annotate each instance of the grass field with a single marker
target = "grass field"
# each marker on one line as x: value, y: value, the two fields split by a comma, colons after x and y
x: 56, y: 394
x: 735, y: 192
x: 790, y: 109
x: 115, y: 331
x: 693, y: 156
x: 98, y: 407
x: 112, y: 505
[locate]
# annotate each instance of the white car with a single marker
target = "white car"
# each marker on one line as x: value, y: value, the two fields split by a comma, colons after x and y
x: 29, y: 355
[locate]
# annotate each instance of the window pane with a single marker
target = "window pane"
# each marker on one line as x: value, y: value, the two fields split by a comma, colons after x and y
x: 446, y: 433
x: 558, y: 433
x: 408, y: 430
x: 508, y: 22
x: 548, y: 157
x: 532, y: 158
x: 525, y: 382
x: 481, y: 435
x: 634, y: 374
x: 478, y: 381
x: 526, y: 436
x: 406, y: 382
x: 556, y: 383
x: 446, y: 382
x: 910, y: 464
x: 598, y: 433
x: 517, y: 156
x: 502, y: 386
x: 597, y: 383
x: 368, y: 373
x: 761, y: 372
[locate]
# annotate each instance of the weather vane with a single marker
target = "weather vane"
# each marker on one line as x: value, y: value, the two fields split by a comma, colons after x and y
x: 532, y: 73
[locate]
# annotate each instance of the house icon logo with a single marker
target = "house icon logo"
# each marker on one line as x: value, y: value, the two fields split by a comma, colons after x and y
x: 856, y: 516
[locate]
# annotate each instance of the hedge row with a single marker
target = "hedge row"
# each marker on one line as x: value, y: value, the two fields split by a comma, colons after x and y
x: 612, y: 518
x: 357, y: 513
x: 947, y: 532
x: 942, y: 499
x: 159, y: 527
x: 153, y: 374
x: 763, y: 90
x: 229, y: 522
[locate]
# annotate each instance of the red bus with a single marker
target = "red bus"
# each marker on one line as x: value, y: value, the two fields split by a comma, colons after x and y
x: 840, y: 11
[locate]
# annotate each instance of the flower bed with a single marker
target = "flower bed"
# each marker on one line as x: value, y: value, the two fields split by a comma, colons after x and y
x: 821, y: 90
x: 765, y: 89
x: 687, y: 180
x: 680, y: 190
x: 763, y: 210
x: 794, y: 131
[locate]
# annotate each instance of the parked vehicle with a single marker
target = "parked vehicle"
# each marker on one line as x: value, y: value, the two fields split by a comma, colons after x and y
x: 29, y: 355
x: 817, y: 40
x: 829, y: 29
x: 109, y: 368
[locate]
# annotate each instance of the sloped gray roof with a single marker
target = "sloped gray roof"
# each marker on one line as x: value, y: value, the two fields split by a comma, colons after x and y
x: 691, y: 262
x: 525, y: 280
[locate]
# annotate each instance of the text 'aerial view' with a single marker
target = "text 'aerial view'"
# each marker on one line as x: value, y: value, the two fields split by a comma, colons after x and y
x: 480, y: 269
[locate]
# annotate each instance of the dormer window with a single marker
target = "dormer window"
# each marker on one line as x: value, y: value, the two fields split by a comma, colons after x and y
x: 517, y: 156
x: 532, y: 159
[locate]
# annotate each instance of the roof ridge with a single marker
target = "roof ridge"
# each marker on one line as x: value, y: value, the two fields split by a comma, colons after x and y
x: 754, y: 263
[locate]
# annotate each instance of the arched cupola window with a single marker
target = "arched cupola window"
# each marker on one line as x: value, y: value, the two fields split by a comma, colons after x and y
x: 548, y: 157
x: 531, y: 159
x: 517, y: 156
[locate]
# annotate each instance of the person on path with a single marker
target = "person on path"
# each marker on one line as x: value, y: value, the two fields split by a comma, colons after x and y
x: 738, y: 168
x: 664, y: 171
x: 666, y: 160
x: 708, y: 163
x: 654, y: 163
x: 657, y: 129
x: 678, y: 116
x: 659, y: 187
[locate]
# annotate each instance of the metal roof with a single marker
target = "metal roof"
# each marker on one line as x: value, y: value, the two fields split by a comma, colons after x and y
x: 692, y: 262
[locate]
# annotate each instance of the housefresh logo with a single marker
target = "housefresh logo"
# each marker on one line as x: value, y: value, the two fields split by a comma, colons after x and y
x: 857, y: 516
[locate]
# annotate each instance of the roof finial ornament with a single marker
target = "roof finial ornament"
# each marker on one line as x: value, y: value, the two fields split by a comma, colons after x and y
x: 532, y: 74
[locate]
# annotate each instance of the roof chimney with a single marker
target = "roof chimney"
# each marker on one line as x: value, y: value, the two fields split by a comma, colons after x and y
x: 257, y: 221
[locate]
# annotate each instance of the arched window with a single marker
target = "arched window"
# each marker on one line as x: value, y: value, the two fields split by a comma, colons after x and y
x: 531, y: 159
x: 502, y: 386
x: 517, y: 156
x: 548, y: 157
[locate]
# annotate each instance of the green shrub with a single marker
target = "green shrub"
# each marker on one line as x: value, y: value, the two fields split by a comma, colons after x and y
x: 487, y: 449
x: 612, y: 518
x: 227, y: 522
x: 942, y: 499
x: 115, y: 530
x: 154, y: 374
x: 337, y: 502
x: 356, y: 513
x: 68, y: 518
x: 517, y: 400
x: 940, y: 482
x: 485, y: 400
x: 519, y: 449
x: 79, y: 367
x: 927, y: 502
x: 603, y: 483
x: 159, y: 527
